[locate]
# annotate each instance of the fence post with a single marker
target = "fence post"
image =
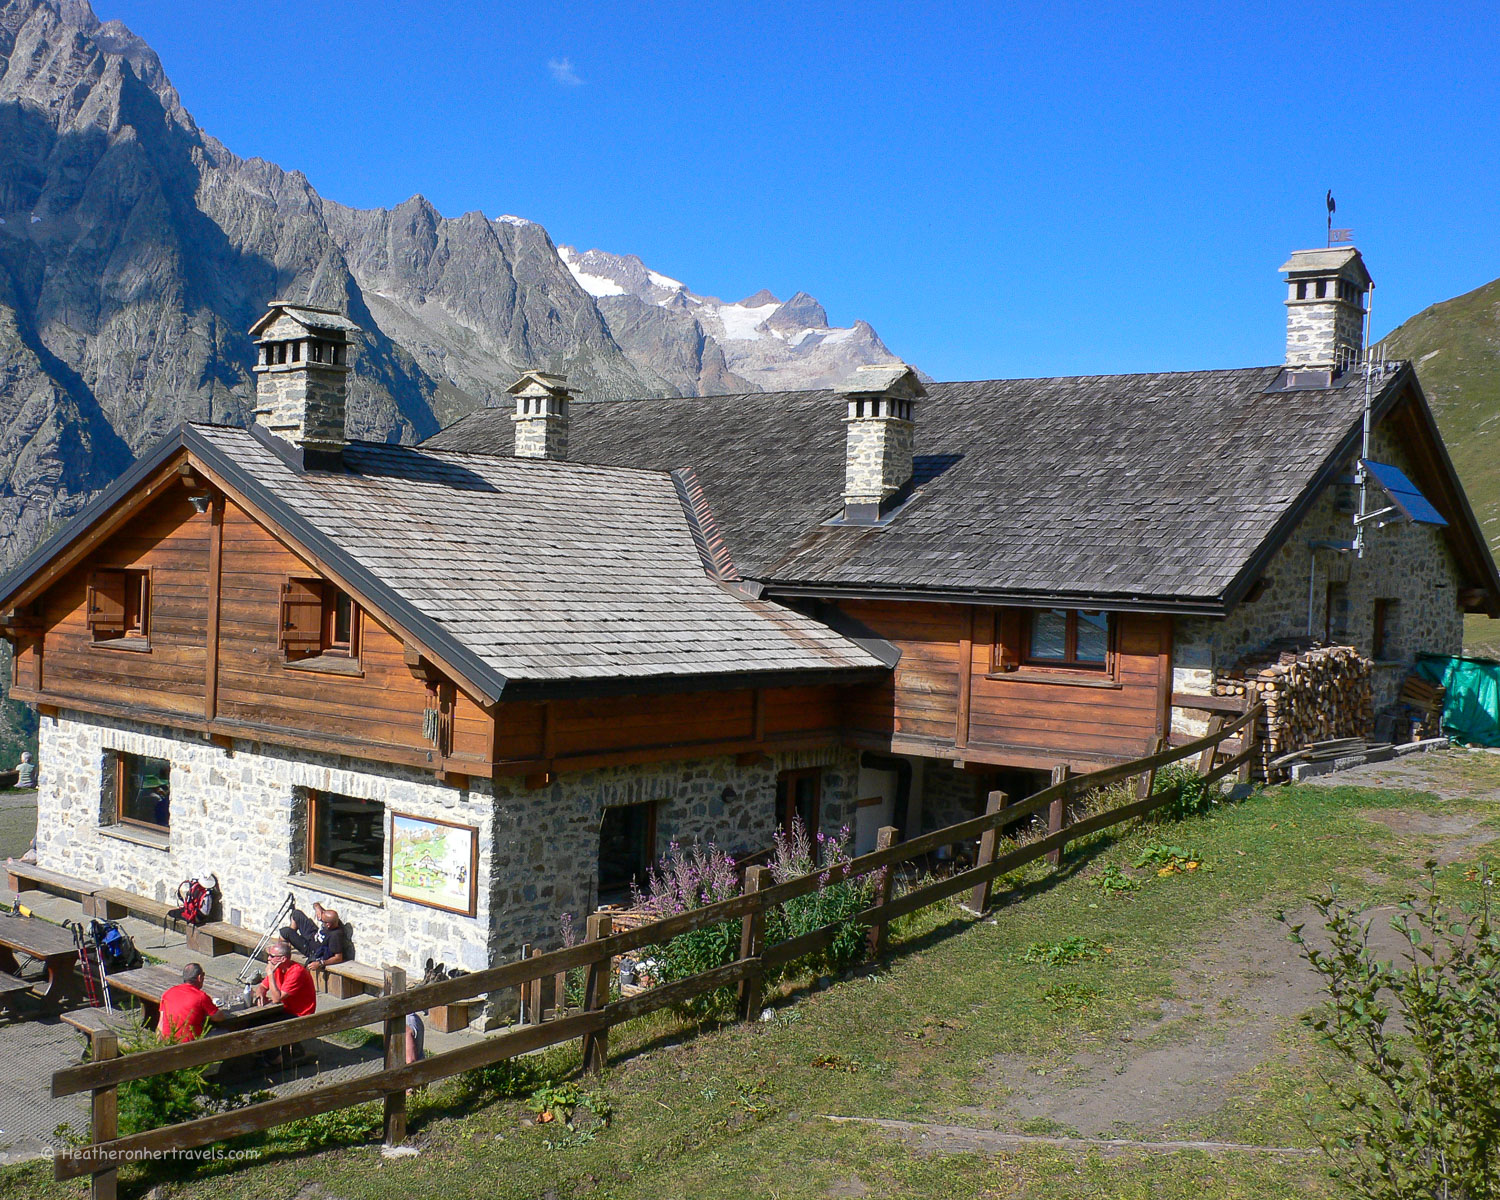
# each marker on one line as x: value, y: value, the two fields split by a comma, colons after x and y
x: 559, y: 993
x: 752, y: 942
x: 1057, y: 812
x: 1206, y: 759
x: 395, y: 1056
x: 1148, y: 780
x: 596, y: 995
x: 875, y: 939
x: 527, y: 1016
x: 980, y: 899
x: 104, y: 1116
x: 1247, y: 746
x: 534, y: 990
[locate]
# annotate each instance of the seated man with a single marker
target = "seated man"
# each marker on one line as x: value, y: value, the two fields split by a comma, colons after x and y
x: 286, y: 983
x: 321, y: 943
x: 186, y: 1009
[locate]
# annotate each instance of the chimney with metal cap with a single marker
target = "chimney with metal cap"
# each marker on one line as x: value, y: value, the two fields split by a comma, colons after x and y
x: 879, y: 438
x: 1325, y: 308
x: 541, y: 415
x: 301, y: 379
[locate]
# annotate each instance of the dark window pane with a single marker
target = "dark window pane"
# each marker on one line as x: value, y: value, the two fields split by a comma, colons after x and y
x: 1049, y: 634
x: 145, y: 790
x: 1093, y: 637
x: 625, y: 851
x: 343, y: 619
x: 348, y: 835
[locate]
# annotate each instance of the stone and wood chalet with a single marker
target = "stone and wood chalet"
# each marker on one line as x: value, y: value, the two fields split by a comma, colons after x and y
x: 467, y: 687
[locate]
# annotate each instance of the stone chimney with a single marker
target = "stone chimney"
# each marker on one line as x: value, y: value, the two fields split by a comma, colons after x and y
x: 541, y: 415
x: 301, y: 380
x: 880, y: 434
x: 1325, y: 308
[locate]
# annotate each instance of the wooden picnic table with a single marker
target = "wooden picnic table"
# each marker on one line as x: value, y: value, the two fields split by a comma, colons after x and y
x: 148, y: 984
x: 50, y: 945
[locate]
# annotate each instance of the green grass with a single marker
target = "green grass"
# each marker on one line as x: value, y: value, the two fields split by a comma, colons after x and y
x: 739, y: 1112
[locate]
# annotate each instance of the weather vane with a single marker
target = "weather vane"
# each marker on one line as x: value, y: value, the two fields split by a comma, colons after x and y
x: 1336, y: 235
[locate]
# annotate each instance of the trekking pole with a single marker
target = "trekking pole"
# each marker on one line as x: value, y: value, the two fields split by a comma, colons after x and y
x: 265, y: 939
x: 109, y: 1004
x: 85, y: 968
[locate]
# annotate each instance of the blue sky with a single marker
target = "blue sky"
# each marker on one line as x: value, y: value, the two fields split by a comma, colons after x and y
x: 1031, y: 189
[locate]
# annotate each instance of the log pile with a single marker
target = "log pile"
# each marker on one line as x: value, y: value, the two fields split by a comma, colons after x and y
x: 1311, y: 693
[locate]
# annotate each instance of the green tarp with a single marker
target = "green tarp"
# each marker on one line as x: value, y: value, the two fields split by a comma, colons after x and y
x: 1471, y: 709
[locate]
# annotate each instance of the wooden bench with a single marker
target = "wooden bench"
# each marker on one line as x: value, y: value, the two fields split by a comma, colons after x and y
x: 93, y: 1021
x: 28, y: 877
x: 11, y: 987
x: 450, y: 1018
x: 111, y: 904
x: 346, y: 979
x: 220, y: 937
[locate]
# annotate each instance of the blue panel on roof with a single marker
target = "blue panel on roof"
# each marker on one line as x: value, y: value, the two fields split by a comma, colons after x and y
x: 1403, y: 493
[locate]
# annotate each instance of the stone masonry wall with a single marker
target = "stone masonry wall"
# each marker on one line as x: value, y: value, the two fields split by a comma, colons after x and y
x: 1321, y: 332
x: 242, y: 816
x: 878, y: 457
x: 1410, y: 564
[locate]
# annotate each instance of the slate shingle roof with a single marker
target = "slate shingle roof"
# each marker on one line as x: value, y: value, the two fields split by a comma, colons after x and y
x: 1153, y: 487
x: 545, y: 571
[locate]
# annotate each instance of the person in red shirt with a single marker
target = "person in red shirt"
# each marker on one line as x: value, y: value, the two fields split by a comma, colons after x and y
x: 288, y: 983
x: 186, y: 1009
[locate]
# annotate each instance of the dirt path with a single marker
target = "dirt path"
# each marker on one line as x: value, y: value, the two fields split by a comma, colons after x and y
x: 1245, y: 985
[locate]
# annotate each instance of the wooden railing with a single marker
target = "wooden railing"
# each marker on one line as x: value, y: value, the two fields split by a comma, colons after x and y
x: 102, y: 1076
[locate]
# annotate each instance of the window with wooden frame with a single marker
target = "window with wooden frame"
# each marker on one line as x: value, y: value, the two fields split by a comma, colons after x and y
x: 318, y: 619
x: 143, y: 791
x: 627, y: 848
x: 799, y: 796
x: 1067, y: 637
x: 345, y: 836
x: 119, y: 604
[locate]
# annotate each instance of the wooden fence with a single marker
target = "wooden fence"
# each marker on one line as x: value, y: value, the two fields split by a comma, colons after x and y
x: 102, y: 1076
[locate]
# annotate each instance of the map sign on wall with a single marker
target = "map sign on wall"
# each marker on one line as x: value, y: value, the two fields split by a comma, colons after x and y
x: 434, y: 863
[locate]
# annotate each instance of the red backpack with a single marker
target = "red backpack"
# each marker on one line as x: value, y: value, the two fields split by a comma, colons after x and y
x: 197, y: 905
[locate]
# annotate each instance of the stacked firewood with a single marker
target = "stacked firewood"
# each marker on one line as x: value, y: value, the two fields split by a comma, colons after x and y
x: 1311, y: 693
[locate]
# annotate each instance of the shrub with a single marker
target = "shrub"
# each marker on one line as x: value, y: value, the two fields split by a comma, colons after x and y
x: 682, y: 881
x: 831, y: 904
x: 1421, y: 1117
x: 166, y: 1099
x: 1194, y: 797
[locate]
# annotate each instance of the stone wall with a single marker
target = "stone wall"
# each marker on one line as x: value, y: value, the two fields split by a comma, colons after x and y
x: 1322, y: 333
x: 242, y: 816
x: 878, y: 458
x: 1408, y: 564
x: 949, y: 795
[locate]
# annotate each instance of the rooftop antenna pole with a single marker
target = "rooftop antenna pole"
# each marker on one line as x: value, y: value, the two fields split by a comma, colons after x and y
x: 1361, y: 475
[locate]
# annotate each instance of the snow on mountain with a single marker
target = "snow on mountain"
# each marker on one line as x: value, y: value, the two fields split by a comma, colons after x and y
x: 766, y: 344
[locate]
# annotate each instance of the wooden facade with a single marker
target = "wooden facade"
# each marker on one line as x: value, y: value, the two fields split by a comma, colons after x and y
x: 212, y: 661
x: 961, y: 692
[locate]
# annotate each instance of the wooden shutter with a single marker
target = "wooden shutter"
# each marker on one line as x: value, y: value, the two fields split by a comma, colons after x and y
x: 301, y: 617
x: 106, y: 601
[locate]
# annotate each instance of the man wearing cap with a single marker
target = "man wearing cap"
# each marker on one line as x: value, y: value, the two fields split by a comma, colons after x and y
x: 186, y: 1009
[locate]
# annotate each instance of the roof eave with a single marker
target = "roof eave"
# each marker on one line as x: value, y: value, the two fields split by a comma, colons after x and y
x: 655, y: 685
x: 1193, y: 606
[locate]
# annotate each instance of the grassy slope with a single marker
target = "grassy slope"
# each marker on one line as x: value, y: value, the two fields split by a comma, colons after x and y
x: 1456, y: 346
x: 737, y: 1113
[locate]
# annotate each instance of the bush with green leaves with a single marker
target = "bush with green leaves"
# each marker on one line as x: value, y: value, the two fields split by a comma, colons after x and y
x: 1194, y: 796
x: 166, y: 1099
x: 831, y: 903
x: 684, y: 880
x: 1421, y: 1112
